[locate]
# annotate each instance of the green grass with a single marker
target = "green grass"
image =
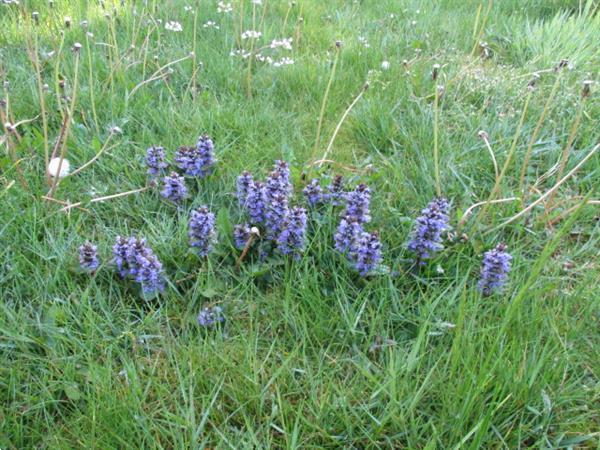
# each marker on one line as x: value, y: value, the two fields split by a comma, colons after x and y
x: 311, y: 355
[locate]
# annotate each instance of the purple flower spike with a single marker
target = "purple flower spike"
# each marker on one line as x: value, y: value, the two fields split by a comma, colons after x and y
x: 426, y: 237
x: 150, y: 274
x: 206, y: 158
x: 133, y: 258
x: 241, y: 234
x: 196, y: 161
x: 88, y: 257
x: 120, y: 250
x: 357, y: 204
x: 494, y: 270
x: 136, y: 247
x: 313, y: 193
x: 256, y: 202
x: 335, y: 191
x: 292, y: 239
x: 201, y: 231
x: 155, y: 160
x: 244, y: 184
x: 210, y: 316
x: 174, y: 188
x: 347, y: 235
x: 278, y: 181
x: 275, y: 215
x: 368, y: 253
x: 185, y: 159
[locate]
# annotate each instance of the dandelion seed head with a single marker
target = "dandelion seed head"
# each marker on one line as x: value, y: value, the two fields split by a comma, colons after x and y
x: 56, y: 169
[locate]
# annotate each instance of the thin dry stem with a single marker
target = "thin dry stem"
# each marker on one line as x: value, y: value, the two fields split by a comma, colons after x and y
x: 550, y: 191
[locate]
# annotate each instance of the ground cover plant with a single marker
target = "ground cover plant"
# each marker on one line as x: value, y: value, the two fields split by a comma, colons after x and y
x: 316, y: 224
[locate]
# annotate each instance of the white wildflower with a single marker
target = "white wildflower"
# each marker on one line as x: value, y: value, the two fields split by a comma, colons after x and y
x: 243, y: 53
x: 224, y: 8
x: 188, y: 8
x: 171, y: 25
x: 211, y: 24
x: 363, y: 41
x: 251, y: 34
x: 257, y: 2
x: 285, y: 43
x: 285, y: 61
x: 262, y: 58
x: 385, y: 65
x: 53, y: 167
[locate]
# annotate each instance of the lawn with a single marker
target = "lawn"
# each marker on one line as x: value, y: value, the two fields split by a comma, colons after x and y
x: 491, y: 105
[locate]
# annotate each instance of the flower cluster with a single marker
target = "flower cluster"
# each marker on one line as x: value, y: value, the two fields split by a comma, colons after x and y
x: 313, y: 193
x: 426, y: 237
x: 267, y: 205
x: 196, y: 161
x: 361, y: 248
x: 335, y: 191
x: 88, y: 257
x: 224, y: 8
x: 241, y: 235
x: 174, y: 188
x: 368, y: 253
x: 208, y: 317
x: 245, y: 182
x: 494, y: 270
x: 136, y: 260
x: 155, y: 160
x: 201, y: 230
x: 292, y: 238
x: 251, y: 34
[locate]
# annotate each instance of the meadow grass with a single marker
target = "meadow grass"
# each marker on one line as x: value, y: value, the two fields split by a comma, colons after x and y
x: 311, y: 355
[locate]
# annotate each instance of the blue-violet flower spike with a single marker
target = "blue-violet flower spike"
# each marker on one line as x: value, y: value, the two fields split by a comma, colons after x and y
x: 494, y: 270
x: 368, y: 253
x: 347, y: 234
x: 244, y: 184
x: 88, y: 257
x: 155, y: 160
x: 201, y: 230
x: 426, y: 239
x: 313, y: 193
x: 357, y: 204
x: 174, y: 188
x: 210, y: 316
x: 292, y: 238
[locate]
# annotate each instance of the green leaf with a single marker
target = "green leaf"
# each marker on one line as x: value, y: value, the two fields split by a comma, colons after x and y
x: 209, y: 293
x: 223, y: 223
x: 72, y: 392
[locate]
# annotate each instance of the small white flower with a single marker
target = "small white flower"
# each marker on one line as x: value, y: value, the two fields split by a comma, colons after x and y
x: 257, y: 2
x: 171, y: 25
x: 285, y: 61
x: 363, y: 41
x: 224, y: 8
x: 53, y: 168
x: 244, y: 54
x: 188, y: 8
x: 211, y: 24
x: 251, y: 34
x: 262, y: 58
x: 286, y: 43
x: 385, y: 65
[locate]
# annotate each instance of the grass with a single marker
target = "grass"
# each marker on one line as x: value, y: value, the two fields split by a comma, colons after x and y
x: 311, y: 355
